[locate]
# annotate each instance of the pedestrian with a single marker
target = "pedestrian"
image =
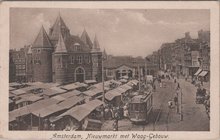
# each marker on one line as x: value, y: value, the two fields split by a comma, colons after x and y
x: 175, y: 100
x: 170, y: 104
x: 174, y: 79
x: 201, y: 81
x: 178, y: 86
x: 115, y: 125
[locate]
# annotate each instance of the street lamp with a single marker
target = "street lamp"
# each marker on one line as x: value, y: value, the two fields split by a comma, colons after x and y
x: 103, y: 83
x: 139, y: 77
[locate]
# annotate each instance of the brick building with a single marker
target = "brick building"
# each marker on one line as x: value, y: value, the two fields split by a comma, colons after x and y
x: 17, y: 64
x: 166, y: 56
x: 186, y: 56
x: 118, y: 66
x: 152, y: 64
x: 204, y: 51
x: 61, y: 57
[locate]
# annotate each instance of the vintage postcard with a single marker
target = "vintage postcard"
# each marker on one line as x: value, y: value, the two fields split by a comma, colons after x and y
x: 109, y: 70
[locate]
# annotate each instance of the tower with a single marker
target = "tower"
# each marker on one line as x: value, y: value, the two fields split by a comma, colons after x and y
x: 29, y: 64
x: 96, y: 60
x: 58, y: 27
x: 85, y: 38
x: 42, y: 57
x: 61, y: 61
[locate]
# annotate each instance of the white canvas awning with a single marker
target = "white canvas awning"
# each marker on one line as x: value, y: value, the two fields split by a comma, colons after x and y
x: 198, y: 71
x: 203, y: 73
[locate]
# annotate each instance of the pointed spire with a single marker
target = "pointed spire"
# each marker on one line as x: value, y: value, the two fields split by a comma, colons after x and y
x: 42, y: 39
x: 96, y: 44
x: 58, y: 27
x: 105, y: 56
x: 85, y: 38
x: 60, y: 46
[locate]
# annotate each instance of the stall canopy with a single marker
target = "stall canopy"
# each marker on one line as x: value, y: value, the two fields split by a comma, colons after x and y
x: 11, y: 88
x: 71, y: 86
x: 90, y: 81
x: 11, y: 101
x: 70, y: 94
x: 32, y: 98
x: 198, y: 71
x: 115, y: 82
x: 93, y: 92
x: 70, y: 102
x: 80, y: 112
x: 135, y: 82
x: 125, y: 86
x: 30, y: 108
x: 18, y: 92
x: 58, y: 89
x: 14, y: 84
x: 112, y: 94
x: 123, y: 80
x: 203, y: 73
x: 47, y: 110
x: 59, y: 98
x: 81, y: 84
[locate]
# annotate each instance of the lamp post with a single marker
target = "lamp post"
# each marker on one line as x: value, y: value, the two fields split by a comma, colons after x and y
x: 181, y: 107
x: 139, y: 77
x: 103, y: 83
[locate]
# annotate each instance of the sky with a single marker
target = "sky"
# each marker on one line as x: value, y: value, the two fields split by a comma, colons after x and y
x: 135, y: 32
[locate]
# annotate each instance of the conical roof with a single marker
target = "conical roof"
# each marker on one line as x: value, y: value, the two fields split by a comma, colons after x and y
x: 60, y: 46
x: 96, y: 45
x: 104, y: 54
x: 42, y: 39
x: 85, y: 38
x: 56, y: 28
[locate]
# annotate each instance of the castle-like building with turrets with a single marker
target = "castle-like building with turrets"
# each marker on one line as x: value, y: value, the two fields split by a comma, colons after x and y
x: 61, y: 57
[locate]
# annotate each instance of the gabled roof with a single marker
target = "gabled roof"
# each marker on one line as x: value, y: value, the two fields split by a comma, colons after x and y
x: 56, y: 28
x: 85, y: 38
x: 70, y: 41
x: 60, y: 46
x: 42, y: 40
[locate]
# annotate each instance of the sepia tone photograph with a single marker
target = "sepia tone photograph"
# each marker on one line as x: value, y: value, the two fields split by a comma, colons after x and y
x: 109, y: 69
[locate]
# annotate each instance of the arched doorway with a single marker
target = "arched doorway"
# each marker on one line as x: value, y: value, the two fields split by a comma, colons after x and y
x: 79, y: 74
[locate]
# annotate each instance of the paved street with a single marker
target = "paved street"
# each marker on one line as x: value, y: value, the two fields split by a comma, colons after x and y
x: 194, y: 115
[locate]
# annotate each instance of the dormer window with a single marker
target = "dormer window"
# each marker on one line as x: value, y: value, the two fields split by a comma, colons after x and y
x: 77, y: 47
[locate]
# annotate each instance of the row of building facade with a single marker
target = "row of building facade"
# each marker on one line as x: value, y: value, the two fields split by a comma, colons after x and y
x: 185, y: 56
x: 60, y: 57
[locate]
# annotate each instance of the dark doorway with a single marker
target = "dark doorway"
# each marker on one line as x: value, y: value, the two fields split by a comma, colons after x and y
x: 79, y: 74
